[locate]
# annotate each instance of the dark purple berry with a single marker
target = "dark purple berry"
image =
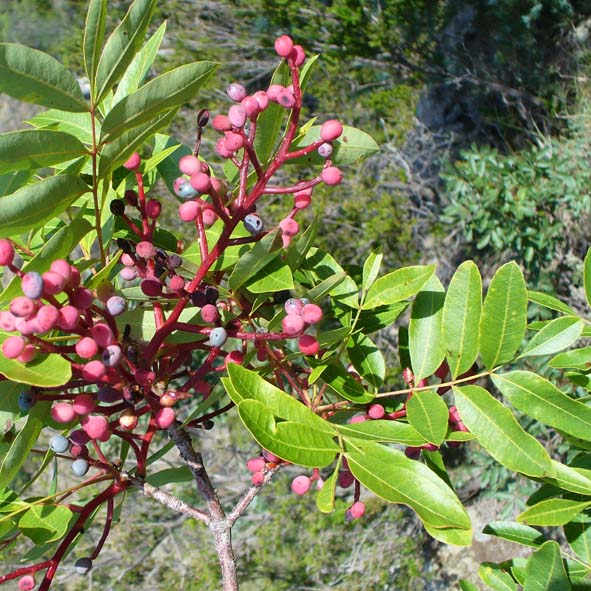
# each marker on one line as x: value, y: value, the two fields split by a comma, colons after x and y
x: 117, y: 207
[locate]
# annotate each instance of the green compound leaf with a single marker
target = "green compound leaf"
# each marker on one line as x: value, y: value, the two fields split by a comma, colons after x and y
x: 294, y: 442
x: 167, y: 91
x: 496, y: 577
x: 94, y: 33
x: 545, y: 571
x: 120, y: 150
x: 45, y: 523
x: 367, y: 359
x: 34, y: 204
x: 341, y: 381
x: 461, y: 318
x: 244, y: 384
x: 32, y: 76
x: 575, y: 359
x: 515, y: 532
x: 550, y: 302
x: 397, y: 286
x: 22, y: 444
x: 121, y: 47
x: 499, y: 432
x: 558, y: 334
x: 384, y: 431
x: 392, y: 476
x: 427, y: 348
x: 504, y: 316
x: 542, y: 400
x: 77, y: 124
x: 36, y: 148
x: 578, y: 535
x: 553, y: 512
x: 429, y: 415
x: 325, y: 497
x: 140, y: 66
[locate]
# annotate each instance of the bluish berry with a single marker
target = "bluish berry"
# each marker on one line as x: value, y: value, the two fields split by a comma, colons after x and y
x: 186, y: 191
x: 59, y: 444
x: 32, y: 285
x: 80, y: 467
x: 26, y: 400
x: 253, y: 224
x: 116, y: 305
x: 83, y: 565
x: 111, y: 355
x: 218, y: 336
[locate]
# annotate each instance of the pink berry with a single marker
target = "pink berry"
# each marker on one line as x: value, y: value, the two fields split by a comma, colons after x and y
x: 23, y: 307
x: 29, y: 353
x: 69, y: 317
x: 164, y: 417
x: 27, y: 326
x: 222, y: 149
x: 274, y: 91
x: 62, y: 267
x: 189, y: 165
x: 128, y: 273
x: 332, y: 175
x: 251, y: 106
x: 376, y: 411
x: 81, y: 298
x: 102, y: 334
x: 283, y: 45
x: 325, y: 150
x: 308, y: 345
x: 74, y: 280
x: 289, y: 227
x: 47, y: 317
x: 6, y: 252
x: 210, y: 313
x: 153, y: 208
x: 293, y: 306
x: 356, y: 510
x: 26, y: 583
x: 257, y: 478
x: 256, y: 464
x: 6, y: 321
x: 133, y: 162
x: 412, y: 452
x: 237, y: 116
x: 286, y: 99
x: 331, y: 130
x: 234, y: 141
x: 53, y: 283
x: 188, y: 210
x: 236, y: 92
x: 145, y: 249
x: 151, y: 286
x: 96, y: 426
x: 200, y: 182
x: 209, y: 217
x: 144, y: 377
x: 93, y: 371
x: 292, y: 325
x: 300, y: 485
x: 271, y: 457
x: 221, y: 123
x: 84, y: 404
x: 127, y: 260
x: 357, y: 419
x: 86, y: 347
x: 262, y: 99
x: 176, y: 283
x: 62, y: 412
x: 13, y: 346
x: 302, y: 199
x: 311, y: 313
x: 298, y: 55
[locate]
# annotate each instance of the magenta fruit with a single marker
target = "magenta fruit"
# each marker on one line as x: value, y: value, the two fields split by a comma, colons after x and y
x: 164, y: 417
x: 189, y: 164
x: 102, y: 334
x: 81, y: 298
x: 332, y: 175
x: 311, y: 313
x: 145, y: 249
x: 200, y: 182
x: 151, y: 286
x: 293, y: 306
x: 188, y: 210
x: 237, y: 116
x: 256, y: 464
x: 47, y: 317
x: 292, y: 325
x: 283, y: 46
x: 96, y: 426
x: 331, y: 130
x: 26, y: 583
x: 68, y: 319
x: 86, y: 347
x: 23, y: 307
x: 308, y: 345
x: 6, y: 321
x: 376, y: 411
x: 300, y: 485
x: 221, y: 123
x: 302, y: 199
x: 289, y: 227
x: 133, y: 162
x: 62, y: 412
x: 236, y: 92
x: 83, y: 404
x: 93, y: 371
x: 6, y: 252
x: 210, y: 313
x: 13, y: 346
x: 153, y: 208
